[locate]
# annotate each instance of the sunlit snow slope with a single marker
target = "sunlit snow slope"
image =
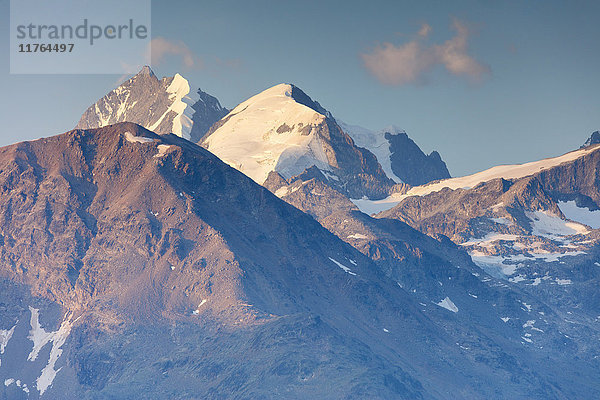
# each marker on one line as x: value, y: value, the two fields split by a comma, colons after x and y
x: 270, y: 132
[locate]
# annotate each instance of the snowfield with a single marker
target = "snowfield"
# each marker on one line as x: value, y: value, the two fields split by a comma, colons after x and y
x: 257, y: 138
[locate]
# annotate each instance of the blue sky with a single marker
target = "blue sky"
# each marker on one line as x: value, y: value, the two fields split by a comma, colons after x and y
x: 484, y: 83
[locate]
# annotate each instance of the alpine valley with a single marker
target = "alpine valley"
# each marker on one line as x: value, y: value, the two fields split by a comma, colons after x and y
x: 169, y: 248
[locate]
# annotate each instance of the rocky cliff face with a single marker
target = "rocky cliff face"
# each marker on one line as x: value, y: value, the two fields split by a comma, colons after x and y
x: 207, y: 111
x: 411, y: 164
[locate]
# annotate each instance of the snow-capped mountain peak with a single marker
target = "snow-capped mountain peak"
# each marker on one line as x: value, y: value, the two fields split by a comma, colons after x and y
x: 146, y: 70
x: 270, y: 131
x: 182, y: 100
x: 283, y: 130
x: 168, y: 105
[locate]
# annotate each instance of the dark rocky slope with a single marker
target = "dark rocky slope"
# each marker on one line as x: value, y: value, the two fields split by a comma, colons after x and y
x: 163, y: 273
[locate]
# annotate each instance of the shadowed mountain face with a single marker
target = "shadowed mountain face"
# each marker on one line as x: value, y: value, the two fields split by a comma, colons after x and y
x: 411, y: 165
x: 593, y: 139
x: 207, y: 111
x: 134, y: 263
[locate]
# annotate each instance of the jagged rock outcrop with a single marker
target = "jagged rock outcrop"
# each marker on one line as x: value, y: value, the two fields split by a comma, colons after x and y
x: 168, y: 105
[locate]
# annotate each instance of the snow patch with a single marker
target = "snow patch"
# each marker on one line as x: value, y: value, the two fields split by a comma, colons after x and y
x: 527, y: 306
x: 517, y: 279
x: 37, y: 335
x: 580, y: 214
x: 551, y: 226
x: 282, y: 191
x: 5, y: 335
x: 501, y: 221
x: 182, y: 102
x: 536, y: 281
x: 372, y: 207
x: 357, y: 236
x: 504, y: 266
x: 330, y: 176
x: 563, y: 281
x: 18, y: 383
x: 137, y: 139
x: 162, y: 150
x: 342, y: 266
x: 40, y: 338
x: 197, y: 310
x: 531, y: 325
x: 448, y: 305
x: 488, y: 239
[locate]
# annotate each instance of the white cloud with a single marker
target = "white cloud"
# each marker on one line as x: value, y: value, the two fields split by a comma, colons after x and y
x: 397, y: 65
x: 453, y: 54
x: 161, y: 48
x: 425, y: 30
x: 410, y: 62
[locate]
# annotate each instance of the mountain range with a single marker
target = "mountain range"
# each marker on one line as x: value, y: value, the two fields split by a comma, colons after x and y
x: 280, y: 129
x: 170, y: 248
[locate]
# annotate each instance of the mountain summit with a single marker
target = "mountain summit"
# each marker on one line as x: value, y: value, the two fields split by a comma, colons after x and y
x: 283, y: 130
x: 593, y: 139
x: 168, y: 105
